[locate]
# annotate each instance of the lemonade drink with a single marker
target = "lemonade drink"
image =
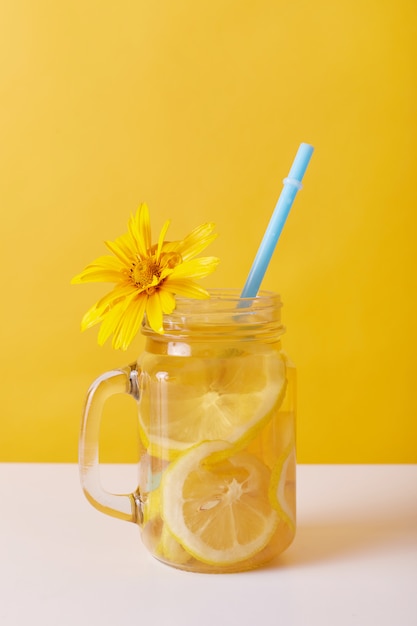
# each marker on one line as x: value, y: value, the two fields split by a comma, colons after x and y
x: 217, y: 435
x: 215, y: 395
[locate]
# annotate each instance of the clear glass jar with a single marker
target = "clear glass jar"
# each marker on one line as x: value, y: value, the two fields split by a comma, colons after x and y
x: 216, y: 418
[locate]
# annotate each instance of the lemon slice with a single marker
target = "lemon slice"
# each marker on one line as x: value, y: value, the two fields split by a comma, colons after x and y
x: 282, y: 486
x: 219, y: 512
x: 151, y: 506
x: 169, y: 549
x: 157, y: 536
x: 195, y: 399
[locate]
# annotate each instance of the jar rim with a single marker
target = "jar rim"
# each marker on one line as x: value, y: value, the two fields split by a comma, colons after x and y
x: 231, y: 295
x: 222, y: 313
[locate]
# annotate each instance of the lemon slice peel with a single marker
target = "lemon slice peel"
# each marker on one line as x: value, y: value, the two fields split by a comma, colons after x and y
x: 222, y: 515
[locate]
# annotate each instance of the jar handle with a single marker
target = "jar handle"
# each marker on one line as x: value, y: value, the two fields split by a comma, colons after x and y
x: 124, y: 506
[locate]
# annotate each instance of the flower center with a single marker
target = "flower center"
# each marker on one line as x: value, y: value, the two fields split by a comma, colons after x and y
x: 144, y: 273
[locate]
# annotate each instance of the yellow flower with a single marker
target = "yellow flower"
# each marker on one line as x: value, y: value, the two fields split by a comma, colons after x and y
x: 147, y: 278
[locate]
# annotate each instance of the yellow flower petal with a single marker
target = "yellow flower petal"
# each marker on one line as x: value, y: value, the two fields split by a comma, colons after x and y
x: 96, y: 312
x: 118, y: 293
x: 172, y: 246
x: 120, y: 248
x: 186, y: 288
x: 161, y: 239
x: 104, y: 269
x: 154, y: 313
x: 167, y: 300
x: 93, y: 275
x: 196, y: 268
x: 130, y: 323
x: 107, y: 262
x: 196, y: 241
x: 133, y: 231
x: 147, y: 278
x: 93, y: 316
x: 140, y: 229
x: 111, y: 321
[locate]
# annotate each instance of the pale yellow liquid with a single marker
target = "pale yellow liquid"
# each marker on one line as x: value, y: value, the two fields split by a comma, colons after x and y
x: 171, y: 384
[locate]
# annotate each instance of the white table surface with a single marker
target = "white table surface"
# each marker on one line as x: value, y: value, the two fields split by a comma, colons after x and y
x: 354, y: 560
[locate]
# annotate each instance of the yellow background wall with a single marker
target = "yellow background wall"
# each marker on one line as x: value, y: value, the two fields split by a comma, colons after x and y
x: 198, y: 107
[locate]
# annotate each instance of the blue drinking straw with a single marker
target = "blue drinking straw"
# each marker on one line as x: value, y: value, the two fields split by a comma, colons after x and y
x: 291, y: 185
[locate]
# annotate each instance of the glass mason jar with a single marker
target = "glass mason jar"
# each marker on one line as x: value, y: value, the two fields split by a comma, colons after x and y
x: 216, y: 419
